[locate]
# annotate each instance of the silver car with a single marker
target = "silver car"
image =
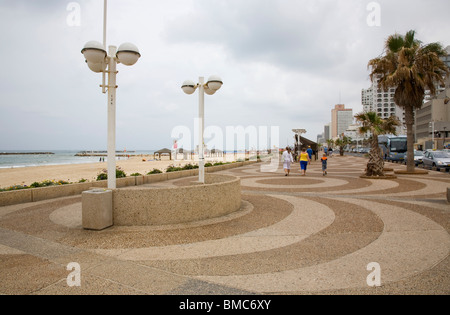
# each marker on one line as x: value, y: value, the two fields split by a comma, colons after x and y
x: 418, y: 158
x: 438, y: 159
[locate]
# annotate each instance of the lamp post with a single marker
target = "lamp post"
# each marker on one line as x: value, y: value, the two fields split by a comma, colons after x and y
x: 299, y: 133
x: 432, y: 133
x: 213, y: 84
x: 100, y: 61
x: 445, y: 135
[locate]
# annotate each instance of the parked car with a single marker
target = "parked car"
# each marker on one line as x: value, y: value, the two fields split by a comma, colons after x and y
x: 418, y: 158
x: 365, y: 150
x: 438, y: 159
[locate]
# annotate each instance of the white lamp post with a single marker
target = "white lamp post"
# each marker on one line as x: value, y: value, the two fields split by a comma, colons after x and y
x: 432, y: 132
x: 98, y: 60
x: 299, y: 133
x: 213, y: 84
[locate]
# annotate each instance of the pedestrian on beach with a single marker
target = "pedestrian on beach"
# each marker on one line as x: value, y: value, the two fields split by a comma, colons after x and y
x: 324, y: 164
x: 287, y: 160
x: 304, y: 161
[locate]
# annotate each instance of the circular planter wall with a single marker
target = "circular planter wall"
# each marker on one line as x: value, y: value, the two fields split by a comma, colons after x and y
x: 146, y: 206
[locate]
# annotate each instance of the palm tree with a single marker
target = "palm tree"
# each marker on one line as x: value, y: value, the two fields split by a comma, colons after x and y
x: 372, y: 123
x: 330, y: 143
x: 411, y: 68
x: 341, y: 143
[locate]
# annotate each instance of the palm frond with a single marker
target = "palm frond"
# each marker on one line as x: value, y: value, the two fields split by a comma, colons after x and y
x: 410, y: 41
x: 394, y: 43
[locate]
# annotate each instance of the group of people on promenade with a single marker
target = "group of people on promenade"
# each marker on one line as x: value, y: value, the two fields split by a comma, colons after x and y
x: 304, y: 159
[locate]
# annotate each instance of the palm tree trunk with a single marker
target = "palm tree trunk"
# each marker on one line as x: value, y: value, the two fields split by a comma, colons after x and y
x: 375, y: 166
x: 409, y: 117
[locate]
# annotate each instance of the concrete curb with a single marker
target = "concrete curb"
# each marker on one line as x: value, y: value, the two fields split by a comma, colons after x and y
x: 9, y: 198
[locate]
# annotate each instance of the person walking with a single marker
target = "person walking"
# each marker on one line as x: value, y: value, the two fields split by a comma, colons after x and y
x: 304, y: 161
x: 287, y: 160
x: 324, y: 164
x: 310, y: 152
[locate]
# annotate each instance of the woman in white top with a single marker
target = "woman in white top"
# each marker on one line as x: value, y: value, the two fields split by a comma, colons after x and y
x: 287, y: 160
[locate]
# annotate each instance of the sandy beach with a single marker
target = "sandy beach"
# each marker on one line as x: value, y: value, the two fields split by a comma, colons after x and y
x: 75, y: 172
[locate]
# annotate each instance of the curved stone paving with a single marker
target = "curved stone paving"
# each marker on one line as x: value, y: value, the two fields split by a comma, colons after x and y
x: 409, y: 242
x: 293, y: 234
x: 307, y: 218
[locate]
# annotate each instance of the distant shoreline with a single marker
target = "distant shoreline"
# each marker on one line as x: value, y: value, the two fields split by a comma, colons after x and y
x: 27, y: 153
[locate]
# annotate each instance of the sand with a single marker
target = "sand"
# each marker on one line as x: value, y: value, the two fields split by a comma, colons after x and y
x: 75, y: 172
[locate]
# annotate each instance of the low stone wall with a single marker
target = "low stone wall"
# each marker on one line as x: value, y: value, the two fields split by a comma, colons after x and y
x: 15, y: 197
x: 146, y: 206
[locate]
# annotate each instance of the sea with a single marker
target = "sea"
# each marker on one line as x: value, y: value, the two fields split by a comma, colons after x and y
x: 59, y: 157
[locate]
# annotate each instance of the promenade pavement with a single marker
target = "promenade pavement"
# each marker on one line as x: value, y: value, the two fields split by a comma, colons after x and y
x: 310, y: 234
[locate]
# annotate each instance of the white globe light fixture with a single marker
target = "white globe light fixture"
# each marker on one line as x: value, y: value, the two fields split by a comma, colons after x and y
x: 210, y: 88
x: 189, y: 87
x: 101, y: 61
x: 209, y: 91
x: 214, y: 83
x: 128, y: 54
x: 94, y: 52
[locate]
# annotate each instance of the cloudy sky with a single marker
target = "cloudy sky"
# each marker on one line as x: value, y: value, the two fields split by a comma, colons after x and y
x: 284, y: 63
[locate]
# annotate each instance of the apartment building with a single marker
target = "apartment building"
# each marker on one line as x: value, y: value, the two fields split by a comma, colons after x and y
x: 376, y: 99
x: 341, y: 119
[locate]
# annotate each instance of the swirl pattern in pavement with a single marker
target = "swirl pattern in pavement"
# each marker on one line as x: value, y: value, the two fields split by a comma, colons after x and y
x: 293, y: 235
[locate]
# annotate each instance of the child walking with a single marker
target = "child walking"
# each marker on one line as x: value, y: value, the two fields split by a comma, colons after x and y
x: 324, y: 164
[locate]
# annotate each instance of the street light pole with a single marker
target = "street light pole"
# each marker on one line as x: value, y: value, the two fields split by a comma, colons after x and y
x: 112, y: 66
x: 201, y: 114
x: 211, y: 87
x: 432, y: 133
x: 445, y: 135
x: 101, y: 61
x: 299, y: 133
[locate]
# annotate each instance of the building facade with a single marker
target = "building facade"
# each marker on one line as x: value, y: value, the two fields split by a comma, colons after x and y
x: 433, y: 122
x: 432, y: 125
x: 376, y: 99
x: 341, y: 119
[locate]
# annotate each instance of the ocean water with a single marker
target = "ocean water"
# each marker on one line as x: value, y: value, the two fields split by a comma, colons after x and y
x: 59, y: 157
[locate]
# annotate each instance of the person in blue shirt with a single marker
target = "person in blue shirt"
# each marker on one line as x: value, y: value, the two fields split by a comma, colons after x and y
x: 310, y: 152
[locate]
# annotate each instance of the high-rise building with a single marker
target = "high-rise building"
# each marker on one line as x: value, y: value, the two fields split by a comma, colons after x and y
x: 327, y: 132
x: 432, y: 126
x: 376, y: 99
x: 439, y: 87
x: 341, y: 118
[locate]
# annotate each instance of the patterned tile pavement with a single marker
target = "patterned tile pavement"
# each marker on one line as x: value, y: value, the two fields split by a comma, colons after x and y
x: 293, y: 235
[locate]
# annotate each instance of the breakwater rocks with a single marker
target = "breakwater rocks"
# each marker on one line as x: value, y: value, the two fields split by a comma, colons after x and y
x: 27, y: 153
x: 104, y: 153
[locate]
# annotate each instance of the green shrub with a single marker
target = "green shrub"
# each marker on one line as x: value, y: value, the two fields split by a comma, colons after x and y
x: 15, y: 187
x: 45, y: 183
x: 208, y: 164
x: 104, y: 174
x: 136, y: 174
x: 155, y: 171
x: 172, y: 169
x: 190, y: 167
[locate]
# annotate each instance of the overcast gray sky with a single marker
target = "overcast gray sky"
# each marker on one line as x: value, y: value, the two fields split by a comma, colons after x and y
x: 284, y: 63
